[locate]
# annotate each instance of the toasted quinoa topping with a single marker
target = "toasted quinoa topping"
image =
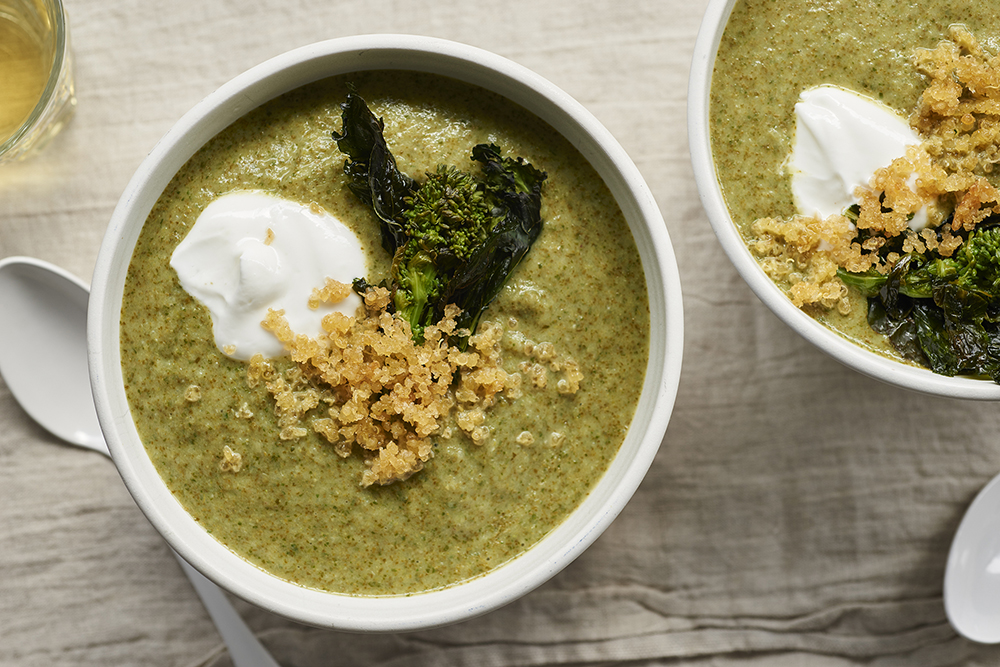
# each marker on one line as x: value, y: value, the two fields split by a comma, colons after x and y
x: 231, y: 461
x: 383, y: 391
x: 332, y: 292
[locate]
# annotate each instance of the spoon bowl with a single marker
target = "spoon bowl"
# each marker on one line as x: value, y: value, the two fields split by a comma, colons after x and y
x: 43, y: 351
x: 972, y: 575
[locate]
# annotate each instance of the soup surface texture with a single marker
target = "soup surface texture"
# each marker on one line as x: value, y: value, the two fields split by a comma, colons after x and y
x: 295, y: 508
x: 771, y: 51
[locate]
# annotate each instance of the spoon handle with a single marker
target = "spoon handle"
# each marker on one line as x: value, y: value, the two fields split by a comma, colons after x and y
x: 244, y: 647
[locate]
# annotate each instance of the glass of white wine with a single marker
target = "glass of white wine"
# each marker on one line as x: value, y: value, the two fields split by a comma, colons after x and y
x: 37, y: 95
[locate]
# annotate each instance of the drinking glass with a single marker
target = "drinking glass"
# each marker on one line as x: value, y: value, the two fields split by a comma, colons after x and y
x: 37, y: 95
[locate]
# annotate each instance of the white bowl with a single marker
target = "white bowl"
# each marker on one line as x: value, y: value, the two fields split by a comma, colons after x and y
x: 567, y: 541
x: 862, y: 360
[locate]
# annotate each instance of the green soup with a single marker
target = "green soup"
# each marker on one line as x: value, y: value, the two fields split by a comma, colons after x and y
x: 295, y: 508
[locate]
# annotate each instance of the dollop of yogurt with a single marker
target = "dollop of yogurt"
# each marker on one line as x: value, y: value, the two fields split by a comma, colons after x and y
x: 250, y: 251
x: 841, y: 139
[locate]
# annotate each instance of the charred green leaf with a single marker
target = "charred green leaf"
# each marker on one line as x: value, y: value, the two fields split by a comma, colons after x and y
x: 371, y: 169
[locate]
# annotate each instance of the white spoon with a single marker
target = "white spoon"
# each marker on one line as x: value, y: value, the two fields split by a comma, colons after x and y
x: 972, y: 575
x: 43, y: 349
x: 43, y: 359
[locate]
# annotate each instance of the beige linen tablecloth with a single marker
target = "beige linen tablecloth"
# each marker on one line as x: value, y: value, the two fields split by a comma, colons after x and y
x: 797, y: 514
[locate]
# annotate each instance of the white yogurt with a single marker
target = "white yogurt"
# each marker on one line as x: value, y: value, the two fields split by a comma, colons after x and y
x: 250, y: 251
x: 841, y: 139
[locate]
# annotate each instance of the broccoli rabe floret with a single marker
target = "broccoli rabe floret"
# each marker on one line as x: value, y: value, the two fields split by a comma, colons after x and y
x: 448, y: 219
x: 449, y: 213
x: 976, y: 264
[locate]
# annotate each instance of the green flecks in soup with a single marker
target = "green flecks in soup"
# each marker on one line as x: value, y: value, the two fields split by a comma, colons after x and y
x: 295, y: 508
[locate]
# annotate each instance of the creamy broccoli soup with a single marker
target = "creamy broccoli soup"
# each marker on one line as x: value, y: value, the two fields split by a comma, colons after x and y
x: 294, y: 506
x: 773, y: 52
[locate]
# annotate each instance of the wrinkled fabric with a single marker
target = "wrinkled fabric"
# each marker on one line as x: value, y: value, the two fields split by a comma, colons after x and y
x: 798, y: 513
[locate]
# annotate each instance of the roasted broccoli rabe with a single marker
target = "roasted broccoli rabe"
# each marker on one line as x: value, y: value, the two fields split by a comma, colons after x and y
x: 456, y: 237
x: 942, y: 312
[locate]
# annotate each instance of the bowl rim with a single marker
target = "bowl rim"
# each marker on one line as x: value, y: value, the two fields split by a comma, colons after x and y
x: 854, y: 356
x: 542, y: 561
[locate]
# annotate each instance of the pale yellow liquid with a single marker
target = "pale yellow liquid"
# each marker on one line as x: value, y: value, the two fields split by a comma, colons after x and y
x: 24, y: 69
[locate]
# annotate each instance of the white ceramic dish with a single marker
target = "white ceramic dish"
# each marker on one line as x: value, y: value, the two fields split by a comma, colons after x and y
x: 860, y: 359
x: 524, y: 573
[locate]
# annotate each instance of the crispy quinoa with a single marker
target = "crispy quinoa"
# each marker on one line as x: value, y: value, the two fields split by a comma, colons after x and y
x: 383, y: 391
